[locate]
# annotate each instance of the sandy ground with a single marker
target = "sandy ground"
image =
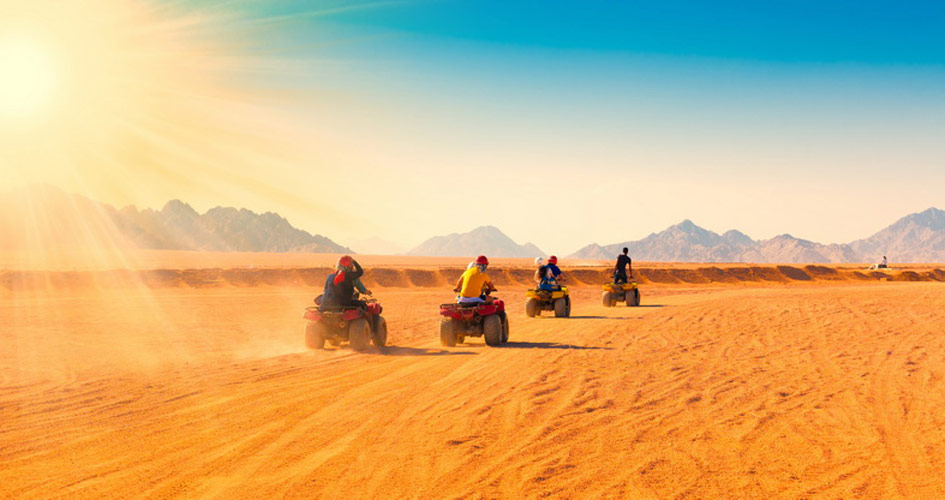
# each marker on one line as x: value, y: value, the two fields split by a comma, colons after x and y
x: 822, y: 387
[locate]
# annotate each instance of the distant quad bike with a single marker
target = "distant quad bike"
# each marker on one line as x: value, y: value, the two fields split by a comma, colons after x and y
x: 359, y: 326
x: 621, y: 292
x: 474, y: 320
x: 558, y: 301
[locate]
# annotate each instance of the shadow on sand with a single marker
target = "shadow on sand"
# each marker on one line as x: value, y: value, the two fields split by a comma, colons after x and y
x: 590, y: 317
x: 550, y: 345
x: 414, y: 351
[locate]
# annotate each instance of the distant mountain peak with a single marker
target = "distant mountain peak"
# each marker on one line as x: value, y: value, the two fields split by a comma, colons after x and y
x: 687, y: 225
x: 178, y: 207
x: 931, y: 217
x: 486, y: 240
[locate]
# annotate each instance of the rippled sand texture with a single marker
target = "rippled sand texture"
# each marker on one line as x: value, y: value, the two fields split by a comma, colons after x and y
x: 195, y: 382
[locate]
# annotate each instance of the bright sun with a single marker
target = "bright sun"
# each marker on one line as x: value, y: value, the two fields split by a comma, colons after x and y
x: 29, y: 77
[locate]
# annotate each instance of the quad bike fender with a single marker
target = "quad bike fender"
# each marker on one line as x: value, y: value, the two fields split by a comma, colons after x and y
x: 312, y: 314
x: 352, y: 314
x: 496, y: 306
x: 545, y: 296
x: 374, y: 309
x: 560, y: 294
x: 617, y: 288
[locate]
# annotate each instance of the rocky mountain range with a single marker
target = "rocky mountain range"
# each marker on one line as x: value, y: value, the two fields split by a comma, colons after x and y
x: 488, y: 240
x: 44, y: 216
x: 918, y: 237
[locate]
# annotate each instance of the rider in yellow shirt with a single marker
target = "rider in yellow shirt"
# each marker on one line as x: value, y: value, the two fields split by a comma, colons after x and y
x: 471, y: 284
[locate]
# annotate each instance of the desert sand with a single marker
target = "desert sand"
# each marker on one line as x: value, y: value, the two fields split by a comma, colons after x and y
x: 189, y: 377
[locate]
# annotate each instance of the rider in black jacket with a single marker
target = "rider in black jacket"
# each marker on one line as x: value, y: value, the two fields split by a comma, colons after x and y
x: 339, y: 286
x: 620, y: 270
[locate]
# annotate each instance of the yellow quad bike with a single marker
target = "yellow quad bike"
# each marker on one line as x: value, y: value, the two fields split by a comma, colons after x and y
x: 620, y: 292
x: 558, y: 301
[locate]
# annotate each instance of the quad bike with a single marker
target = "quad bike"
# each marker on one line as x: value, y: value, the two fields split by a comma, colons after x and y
x: 558, y: 301
x: 360, y: 326
x: 474, y: 320
x: 621, y: 292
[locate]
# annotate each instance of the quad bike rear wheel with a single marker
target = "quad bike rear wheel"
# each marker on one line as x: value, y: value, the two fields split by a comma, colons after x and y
x: 379, y: 337
x: 532, y: 308
x: 608, y: 299
x: 314, y: 336
x: 359, y: 334
x: 447, y: 333
x: 492, y: 330
x: 561, y: 308
x: 505, y: 329
x: 636, y: 297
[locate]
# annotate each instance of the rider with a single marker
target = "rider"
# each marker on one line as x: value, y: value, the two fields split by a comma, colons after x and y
x: 471, y: 284
x: 620, y: 270
x: 548, y: 276
x: 340, y: 285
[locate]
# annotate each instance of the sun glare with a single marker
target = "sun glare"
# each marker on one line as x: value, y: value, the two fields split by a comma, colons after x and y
x: 29, y: 77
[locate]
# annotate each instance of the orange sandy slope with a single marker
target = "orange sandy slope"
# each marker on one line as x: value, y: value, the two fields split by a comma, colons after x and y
x: 788, y: 387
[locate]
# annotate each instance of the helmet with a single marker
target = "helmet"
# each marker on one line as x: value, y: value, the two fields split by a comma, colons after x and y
x: 552, y: 260
x: 482, y: 261
x: 345, y: 261
x: 538, y: 261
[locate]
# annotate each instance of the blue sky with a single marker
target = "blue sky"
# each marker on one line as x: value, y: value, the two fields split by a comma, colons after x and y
x: 792, y: 31
x: 822, y: 119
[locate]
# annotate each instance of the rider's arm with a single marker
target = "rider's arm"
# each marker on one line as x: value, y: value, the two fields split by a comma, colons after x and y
x: 360, y: 286
x: 358, y: 272
x: 459, y: 284
x: 557, y: 272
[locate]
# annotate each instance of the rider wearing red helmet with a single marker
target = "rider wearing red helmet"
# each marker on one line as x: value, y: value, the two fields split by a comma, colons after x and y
x: 340, y: 285
x: 474, y: 282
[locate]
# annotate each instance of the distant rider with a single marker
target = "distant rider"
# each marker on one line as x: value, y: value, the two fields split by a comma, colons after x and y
x: 623, y: 265
x: 884, y: 263
x: 340, y: 285
x: 549, y: 275
x: 471, y: 284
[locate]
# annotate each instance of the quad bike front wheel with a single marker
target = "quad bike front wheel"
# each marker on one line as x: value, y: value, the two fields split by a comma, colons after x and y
x: 607, y: 299
x: 359, y: 334
x: 492, y: 330
x: 635, y: 294
x: 532, y: 308
x: 314, y: 336
x: 505, y: 329
x: 447, y: 333
x: 379, y: 337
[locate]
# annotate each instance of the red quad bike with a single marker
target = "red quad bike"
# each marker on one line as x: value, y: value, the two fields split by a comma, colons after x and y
x: 474, y: 320
x: 359, y: 326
